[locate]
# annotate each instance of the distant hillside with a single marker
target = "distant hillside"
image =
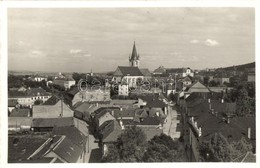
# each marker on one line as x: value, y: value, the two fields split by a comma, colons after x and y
x: 242, y: 67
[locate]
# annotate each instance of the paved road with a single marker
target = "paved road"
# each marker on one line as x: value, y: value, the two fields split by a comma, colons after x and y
x: 170, y: 127
x: 93, y: 153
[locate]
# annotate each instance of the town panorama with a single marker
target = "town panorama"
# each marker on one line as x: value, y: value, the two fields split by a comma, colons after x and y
x: 132, y: 112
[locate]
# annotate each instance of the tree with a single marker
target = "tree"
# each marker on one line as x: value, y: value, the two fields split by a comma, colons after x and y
x: 77, y: 76
x: 217, y: 149
x: 243, y: 101
x: 132, y: 145
x: 241, y: 147
x: 129, y: 147
x: 213, y: 83
x: 157, y: 152
x: 163, y: 149
x: 112, y: 155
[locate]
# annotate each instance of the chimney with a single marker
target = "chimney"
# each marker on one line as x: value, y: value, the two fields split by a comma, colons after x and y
x: 97, y: 104
x: 196, y: 124
x: 216, y: 113
x: 249, y: 133
x: 121, y: 124
x: 199, y: 131
x: 228, y: 120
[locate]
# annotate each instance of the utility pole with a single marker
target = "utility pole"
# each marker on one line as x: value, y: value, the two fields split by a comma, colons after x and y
x: 175, y: 82
x: 61, y: 100
x: 88, y: 141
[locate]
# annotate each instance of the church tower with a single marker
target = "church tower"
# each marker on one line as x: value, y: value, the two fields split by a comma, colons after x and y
x: 134, y: 58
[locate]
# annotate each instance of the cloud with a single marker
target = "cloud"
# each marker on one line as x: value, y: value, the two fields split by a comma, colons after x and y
x: 211, y: 43
x: 194, y: 41
x: 22, y: 43
x: 75, y: 51
x: 36, y: 54
x: 79, y: 53
x: 87, y: 55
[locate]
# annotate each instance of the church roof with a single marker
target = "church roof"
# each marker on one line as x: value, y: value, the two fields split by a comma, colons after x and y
x: 145, y: 72
x: 134, y: 55
x: 132, y: 71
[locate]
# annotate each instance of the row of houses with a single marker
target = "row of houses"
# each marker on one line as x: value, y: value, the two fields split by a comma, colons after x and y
x: 109, y: 119
x: 204, y: 113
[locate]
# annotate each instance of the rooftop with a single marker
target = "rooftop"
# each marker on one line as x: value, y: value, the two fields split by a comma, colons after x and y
x: 20, y: 113
x: 52, y: 122
x: 110, y: 130
x: 132, y: 71
x: 22, y: 146
x: 152, y: 101
x: 12, y: 102
x: 52, y: 100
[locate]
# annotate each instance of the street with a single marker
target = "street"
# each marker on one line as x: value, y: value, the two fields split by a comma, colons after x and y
x: 93, y: 153
x: 170, y: 127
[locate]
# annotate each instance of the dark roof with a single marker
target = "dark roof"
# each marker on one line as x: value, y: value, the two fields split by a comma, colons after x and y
x: 103, y: 110
x: 68, y: 151
x: 46, y: 147
x: 229, y: 108
x: 21, y: 147
x: 152, y: 101
x: 52, y: 100
x: 146, y: 72
x: 20, y: 113
x: 52, y: 122
x: 69, y: 78
x: 210, y: 123
x: 174, y: 70
x: 126, y: 112
x: 37, y: 92
x: 132, y: 71
x: 150, y: 121
x: 12, y: 102
x: 73, y: 91
x: 28, y: 93
x: 72, y: 133
x: 15, y: 93
x: 110, y: 130
x: 194, y: 99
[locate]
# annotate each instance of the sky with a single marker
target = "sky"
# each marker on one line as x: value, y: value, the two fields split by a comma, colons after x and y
x: 78, y: 40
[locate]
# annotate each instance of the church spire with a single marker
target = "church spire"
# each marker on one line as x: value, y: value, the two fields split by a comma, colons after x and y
x: 134, y: 58
x: 134, y: 55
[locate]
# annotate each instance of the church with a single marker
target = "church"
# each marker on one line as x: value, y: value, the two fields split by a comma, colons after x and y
x: 129, y: 75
